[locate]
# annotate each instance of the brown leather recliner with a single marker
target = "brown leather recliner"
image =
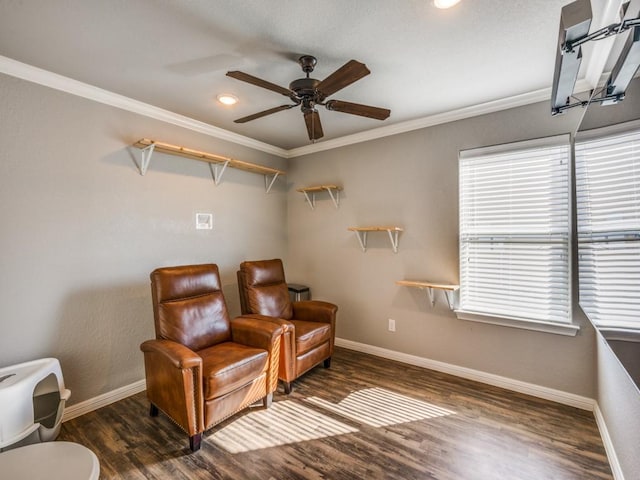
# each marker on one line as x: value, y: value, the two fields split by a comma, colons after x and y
x: 309, y: 326
x: 202, y: 367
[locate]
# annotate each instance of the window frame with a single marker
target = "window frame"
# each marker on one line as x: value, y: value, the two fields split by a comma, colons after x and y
x: 562, y: 328
x: 614, y: 332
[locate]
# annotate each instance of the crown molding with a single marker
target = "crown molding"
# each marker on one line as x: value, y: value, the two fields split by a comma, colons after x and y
x: 59, y: 82
x: 437, y: 119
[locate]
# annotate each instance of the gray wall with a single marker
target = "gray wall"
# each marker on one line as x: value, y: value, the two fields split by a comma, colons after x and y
x: 82, y: 229
x: 411, y: 180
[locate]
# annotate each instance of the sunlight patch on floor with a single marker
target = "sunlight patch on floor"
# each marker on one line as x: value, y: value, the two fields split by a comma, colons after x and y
x: 282, y: 423
x: 379, y: 407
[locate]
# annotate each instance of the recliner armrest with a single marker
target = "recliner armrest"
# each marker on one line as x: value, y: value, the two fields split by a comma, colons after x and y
x: 177, y: 354
x: 174, y: 382
x: 287, y: 326
x: 254, y: 331
x: 315, y: 311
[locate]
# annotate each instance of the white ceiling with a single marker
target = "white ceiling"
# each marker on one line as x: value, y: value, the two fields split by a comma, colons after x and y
x: 174, y: 54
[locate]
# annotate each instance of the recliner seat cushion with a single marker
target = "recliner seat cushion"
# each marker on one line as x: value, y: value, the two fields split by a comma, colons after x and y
x: 310, y: 334
x: 228, y: 366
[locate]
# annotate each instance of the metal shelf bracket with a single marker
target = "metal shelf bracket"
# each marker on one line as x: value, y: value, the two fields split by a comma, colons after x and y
x: 311, y: 200
x: 362, y: 238
x: 448, y: 294
x: 146, y: 158
x: 217, y: 170
x: 393, y: 236
x: 268, y: 184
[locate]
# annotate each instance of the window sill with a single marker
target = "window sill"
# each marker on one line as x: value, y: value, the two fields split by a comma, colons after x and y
x: 538, y: 326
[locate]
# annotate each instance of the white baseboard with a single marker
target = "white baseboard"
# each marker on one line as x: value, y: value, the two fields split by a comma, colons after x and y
x: 608, y: 445
x: 103, y: 400
x: 558, y: 396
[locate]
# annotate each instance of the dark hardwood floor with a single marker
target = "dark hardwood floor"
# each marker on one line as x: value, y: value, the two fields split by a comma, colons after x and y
x: 365, y: 418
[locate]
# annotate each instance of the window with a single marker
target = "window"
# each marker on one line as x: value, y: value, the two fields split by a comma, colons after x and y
x: 514, y: 235
x: 608, y: 207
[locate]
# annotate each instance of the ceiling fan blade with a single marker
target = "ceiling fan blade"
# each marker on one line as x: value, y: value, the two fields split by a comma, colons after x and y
x: 344, y: 76
x: 245, y: 77
x: 314, y: 127
x: 264, y: 113
x: 357, y: 109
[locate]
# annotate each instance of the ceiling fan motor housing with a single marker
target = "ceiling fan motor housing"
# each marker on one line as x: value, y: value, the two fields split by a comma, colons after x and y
x: 304, y: 87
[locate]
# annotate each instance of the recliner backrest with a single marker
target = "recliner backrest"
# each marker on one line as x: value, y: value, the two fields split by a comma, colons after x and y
x: 264, y: 288
x: 189, y: 306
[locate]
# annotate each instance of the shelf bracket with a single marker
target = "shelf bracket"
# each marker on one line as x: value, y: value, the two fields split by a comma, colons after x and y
x: 362, y: 238
x: 268, y: 184
x: 448, y: 294
x: 393, y: 236
x: 146, y: 158
x: 217, y: 170
x: 311, y: 200
x: 336, y: 198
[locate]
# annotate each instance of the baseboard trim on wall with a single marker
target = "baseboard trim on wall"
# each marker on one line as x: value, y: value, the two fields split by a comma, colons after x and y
x: 103, y: 400
x: 608, y: 444
x: 558, y: 396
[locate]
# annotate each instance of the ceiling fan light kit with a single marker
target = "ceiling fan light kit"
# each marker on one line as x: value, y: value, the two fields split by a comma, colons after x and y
x: 309, y: 92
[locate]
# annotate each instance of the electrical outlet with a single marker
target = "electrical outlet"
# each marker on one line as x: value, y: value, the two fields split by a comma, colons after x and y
x: 392, y: 325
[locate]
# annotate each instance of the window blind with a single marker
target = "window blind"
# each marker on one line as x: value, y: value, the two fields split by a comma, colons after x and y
x: 514, y: 231
x: 608, y: 207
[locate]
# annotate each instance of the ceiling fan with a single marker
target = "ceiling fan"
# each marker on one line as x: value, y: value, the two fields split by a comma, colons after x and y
x: 308, y: 92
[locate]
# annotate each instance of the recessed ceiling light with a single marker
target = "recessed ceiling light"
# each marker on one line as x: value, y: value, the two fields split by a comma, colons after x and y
x: 445, y: 3
x: 227, y: 99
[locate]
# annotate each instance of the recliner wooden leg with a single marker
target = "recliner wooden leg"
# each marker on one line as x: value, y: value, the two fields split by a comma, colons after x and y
x: 153, y: 411
x: 266, y: 401
x: 195, y: 441
x: 287, y: 387
x: 327, y: 362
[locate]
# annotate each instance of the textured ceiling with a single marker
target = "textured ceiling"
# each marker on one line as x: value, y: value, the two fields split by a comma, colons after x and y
x: 174, y: 54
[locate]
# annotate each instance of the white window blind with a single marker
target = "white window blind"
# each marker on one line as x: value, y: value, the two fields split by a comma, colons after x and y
x: 608, y: 206
x: 514, y: 231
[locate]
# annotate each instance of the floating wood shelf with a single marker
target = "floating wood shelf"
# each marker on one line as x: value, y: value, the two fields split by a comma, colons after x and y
x: 321, y: 188
x: 218, y: 163
x: 449, y: 290
x: 362, y: 232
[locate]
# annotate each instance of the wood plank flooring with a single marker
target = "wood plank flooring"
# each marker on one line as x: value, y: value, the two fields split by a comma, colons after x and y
x: 365, y: 418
